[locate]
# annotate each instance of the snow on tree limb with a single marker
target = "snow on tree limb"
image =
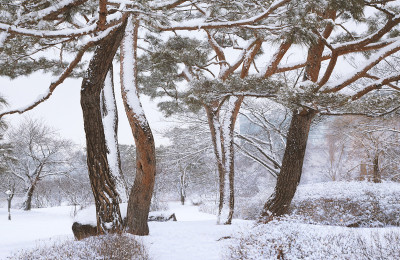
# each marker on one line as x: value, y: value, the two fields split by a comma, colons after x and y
x: 377, y: 84
x: 43, y: 97
x: 129, y: 71
x: 63, y: 33
x: 215, y: 25
x: 53, y: 11
x: 378, y: 57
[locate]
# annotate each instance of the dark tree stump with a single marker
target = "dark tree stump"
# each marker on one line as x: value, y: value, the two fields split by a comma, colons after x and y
x: 83, y: 231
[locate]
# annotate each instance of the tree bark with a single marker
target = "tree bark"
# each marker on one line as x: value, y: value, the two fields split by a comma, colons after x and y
x: 27, y: 205
x: 215, y: 129
x: 182, y: 186
x: 110, y: 123
x: 103, y: 185
x: 142, y: 190
x: 376, y: 174
x: 292, y: 165
x: 231, y: 161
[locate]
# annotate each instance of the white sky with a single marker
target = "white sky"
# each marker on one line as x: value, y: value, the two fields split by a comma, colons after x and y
x: 63, y: 111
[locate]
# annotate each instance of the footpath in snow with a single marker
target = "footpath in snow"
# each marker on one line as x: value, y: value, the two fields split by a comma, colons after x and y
x: 194, y: 236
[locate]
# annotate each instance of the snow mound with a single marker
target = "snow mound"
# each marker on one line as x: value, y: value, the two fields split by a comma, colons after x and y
x: 289, y: 239
x: 351, y: 204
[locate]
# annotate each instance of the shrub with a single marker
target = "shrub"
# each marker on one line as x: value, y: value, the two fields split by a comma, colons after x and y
x: 354, y: 204
x: 288, y: 239
x: 107, y: 247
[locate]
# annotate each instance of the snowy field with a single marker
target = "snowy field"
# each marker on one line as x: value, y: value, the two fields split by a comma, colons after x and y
x: 194, y: 236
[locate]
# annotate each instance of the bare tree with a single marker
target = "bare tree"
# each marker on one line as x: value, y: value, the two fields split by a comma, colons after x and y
x: 38, y: 153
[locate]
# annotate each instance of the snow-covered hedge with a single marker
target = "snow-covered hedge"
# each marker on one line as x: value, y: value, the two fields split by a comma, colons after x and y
x: 348, y: 203
x: 335, y: 203
x: 290, y: 239
x: 116, y: 247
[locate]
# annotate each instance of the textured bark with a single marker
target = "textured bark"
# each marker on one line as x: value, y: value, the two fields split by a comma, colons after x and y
x: 292, y: 165
x: 106, y: 197
x: 110, y: 123
x: 142, y: 190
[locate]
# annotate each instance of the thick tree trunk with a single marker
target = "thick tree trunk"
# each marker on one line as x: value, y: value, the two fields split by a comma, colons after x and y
x: 142, y: 190
x: 215, y: 129
x: 110, y: 123
x: 102, y: 182
x: 292, y: 165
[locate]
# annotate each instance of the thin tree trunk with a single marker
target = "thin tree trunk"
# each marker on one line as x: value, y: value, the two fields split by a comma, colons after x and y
x: 27, y: 205
x: 142, y: 190
x: 182, y: 183
x: 376, y: 174
x: 292, y: 165
x: 231, y: 157
x: 9, y: 199
x: 102, y: 182
x: 215, y: 129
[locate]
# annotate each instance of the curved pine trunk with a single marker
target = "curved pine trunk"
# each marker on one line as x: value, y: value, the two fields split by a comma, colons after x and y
x: 110, y: 123
x: 292, y: 165
x: 103, y: 185
x: 142, y: 190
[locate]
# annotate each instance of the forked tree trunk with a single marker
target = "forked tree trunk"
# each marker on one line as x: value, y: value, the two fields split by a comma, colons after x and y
x: 215, y: 129
x: 223, y: 143
x: 103, y: 185
x: 142, y: 190
x: 27, y: 204
x: 292, y: 165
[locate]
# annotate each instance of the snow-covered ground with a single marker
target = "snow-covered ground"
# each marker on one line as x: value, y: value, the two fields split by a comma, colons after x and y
x: 194, y: 236
x: 30, y: 228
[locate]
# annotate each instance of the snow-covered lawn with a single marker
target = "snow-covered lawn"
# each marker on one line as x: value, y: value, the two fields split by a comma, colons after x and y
x: 194, y: 236
x: 29, y: 228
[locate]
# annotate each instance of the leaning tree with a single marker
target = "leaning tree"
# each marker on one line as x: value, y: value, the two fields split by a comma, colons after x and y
x: 326, y: 32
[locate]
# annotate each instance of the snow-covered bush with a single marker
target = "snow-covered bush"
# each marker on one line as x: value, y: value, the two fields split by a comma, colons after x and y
x: 348, y: 203
x: 335, y: 203
x: 110, y: 247
x: 288, y: 239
